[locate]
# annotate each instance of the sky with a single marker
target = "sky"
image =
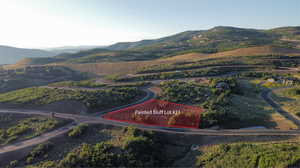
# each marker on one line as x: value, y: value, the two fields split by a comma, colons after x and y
x: 56, y: 23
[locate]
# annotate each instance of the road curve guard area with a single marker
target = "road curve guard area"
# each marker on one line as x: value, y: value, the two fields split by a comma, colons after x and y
x: 159, y: 113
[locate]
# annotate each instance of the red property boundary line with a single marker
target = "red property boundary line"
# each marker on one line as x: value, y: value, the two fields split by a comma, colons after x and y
x: 157, y: 125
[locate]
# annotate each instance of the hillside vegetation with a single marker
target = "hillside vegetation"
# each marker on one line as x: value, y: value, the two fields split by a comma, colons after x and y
x: 251, y: 155
x: 128, y: 147
x: 135, y: 66
x: 17, y: 127
x: 94, y: 100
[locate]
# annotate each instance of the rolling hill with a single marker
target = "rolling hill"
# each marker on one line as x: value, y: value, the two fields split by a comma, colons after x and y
x: 71, y: 49
x: 10, y: 55
x: 216, y: 40
x: 128, y: 67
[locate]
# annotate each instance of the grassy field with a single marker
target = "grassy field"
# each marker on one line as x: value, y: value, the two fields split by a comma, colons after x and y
x: 250, y: 155
x: 17, y: 127
x: 94, y: 100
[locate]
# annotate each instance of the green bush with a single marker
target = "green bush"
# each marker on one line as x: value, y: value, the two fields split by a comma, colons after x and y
x: 139, y: 149
x: 99, y: 155
x: 78, y: 130
x: 41, y: 149
x: 28, y: 128
x: 13, y: 163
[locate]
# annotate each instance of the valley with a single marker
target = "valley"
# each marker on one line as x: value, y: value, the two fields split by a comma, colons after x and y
x: 245, y: 80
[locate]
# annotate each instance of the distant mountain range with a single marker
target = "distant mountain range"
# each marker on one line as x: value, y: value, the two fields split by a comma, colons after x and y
x: 217, y: 39
x: 71, y: 49
x: 10, y: 55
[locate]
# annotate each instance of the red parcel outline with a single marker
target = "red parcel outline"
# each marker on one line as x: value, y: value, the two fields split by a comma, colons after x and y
x: 109, y: 116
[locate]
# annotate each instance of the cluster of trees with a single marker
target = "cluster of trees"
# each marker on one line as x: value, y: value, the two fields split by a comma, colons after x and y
x: 138, y: 149
x: 216, y: 102
x: 183, y: 92
x: 39, y: 151
x: 217, y: 107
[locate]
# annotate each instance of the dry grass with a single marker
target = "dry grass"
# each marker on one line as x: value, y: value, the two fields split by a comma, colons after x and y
x: 288, y: 103
x: 256, y: 51
x: 282, y: 123
x: 130, y: 67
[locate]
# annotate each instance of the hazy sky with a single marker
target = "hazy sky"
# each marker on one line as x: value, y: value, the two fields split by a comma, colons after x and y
x: 51, y: 23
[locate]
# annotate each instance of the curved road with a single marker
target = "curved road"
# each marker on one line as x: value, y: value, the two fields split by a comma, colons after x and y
x: 92, y: 119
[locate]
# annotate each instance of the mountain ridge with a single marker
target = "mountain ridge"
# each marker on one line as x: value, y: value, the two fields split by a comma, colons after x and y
x: 217, y: 39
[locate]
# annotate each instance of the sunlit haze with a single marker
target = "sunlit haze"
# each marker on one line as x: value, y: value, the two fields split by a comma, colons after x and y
x: 53, y: 23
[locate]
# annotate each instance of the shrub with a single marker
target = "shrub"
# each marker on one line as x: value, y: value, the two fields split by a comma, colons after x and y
x: 39, y: 151
x: 13, y: 163
x: 78, y: 130
x: 29, y: 160
x: 99, y: 155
